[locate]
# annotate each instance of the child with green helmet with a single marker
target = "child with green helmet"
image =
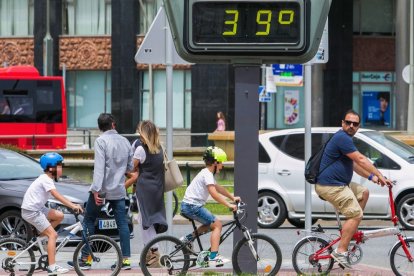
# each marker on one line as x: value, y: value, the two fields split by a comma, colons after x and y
x: 203, y: 186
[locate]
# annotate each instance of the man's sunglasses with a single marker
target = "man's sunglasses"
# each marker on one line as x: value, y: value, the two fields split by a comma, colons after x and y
x: 348, y: 123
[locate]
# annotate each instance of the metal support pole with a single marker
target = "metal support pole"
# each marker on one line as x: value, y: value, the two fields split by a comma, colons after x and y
x: 246, y: 155
x: 263, y: 105
x: 151, y: 93
x: 169, y: 112
x: 47, y: 45
x: 410, y: 120
x: 308, y: 142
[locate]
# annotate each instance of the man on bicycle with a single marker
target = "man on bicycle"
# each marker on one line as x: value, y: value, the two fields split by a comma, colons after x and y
x: 339, y: 160
x: 41, y: 217
x: 192, y: 206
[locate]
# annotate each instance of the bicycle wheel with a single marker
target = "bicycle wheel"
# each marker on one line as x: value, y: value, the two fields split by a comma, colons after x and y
x: 173, y: 257
x: 106, y: 253
x: 175, y: 203
x: 302, y: 257
x: 400, y: 265
x: 268, y: 252
x: 24, y: 264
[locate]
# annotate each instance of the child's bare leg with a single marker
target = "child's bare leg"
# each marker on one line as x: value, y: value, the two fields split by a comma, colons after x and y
x: 55, y: 217
x: 202, y: 229
x: 215, y: 235
x: 51, y: 244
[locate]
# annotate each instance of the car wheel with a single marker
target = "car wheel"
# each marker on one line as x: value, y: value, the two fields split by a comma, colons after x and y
x: 271, y: 210
x: 405, y: 211
x: 300, y: 223
x: 12, y: 224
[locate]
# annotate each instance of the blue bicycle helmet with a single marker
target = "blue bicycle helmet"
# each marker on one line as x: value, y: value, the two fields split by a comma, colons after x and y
x: 50, y: 159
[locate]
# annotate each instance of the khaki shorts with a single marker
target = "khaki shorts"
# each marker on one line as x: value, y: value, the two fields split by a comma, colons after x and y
x: 344, y: 198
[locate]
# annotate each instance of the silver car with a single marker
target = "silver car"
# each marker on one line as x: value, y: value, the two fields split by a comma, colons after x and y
x: 282, y: 181
x: 17, y: 172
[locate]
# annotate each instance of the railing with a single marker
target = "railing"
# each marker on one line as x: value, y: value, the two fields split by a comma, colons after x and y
x: 89, y: 137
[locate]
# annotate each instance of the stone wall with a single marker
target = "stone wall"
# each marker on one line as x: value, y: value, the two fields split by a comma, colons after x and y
x: 16, y: 51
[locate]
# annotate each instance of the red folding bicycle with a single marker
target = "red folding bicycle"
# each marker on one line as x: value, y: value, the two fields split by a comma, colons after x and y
x: 312, y: 254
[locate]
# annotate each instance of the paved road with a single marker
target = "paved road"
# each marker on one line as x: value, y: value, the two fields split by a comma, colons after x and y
x: 375, y: 259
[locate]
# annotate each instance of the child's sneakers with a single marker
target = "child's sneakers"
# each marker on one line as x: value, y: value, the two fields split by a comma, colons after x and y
x: 218, y: 260
x: 57, y: 270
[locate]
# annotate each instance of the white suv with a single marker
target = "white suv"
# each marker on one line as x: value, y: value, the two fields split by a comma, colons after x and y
x: 282, y: 181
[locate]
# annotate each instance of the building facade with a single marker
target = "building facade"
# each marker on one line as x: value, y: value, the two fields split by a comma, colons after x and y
x: 95, y: 41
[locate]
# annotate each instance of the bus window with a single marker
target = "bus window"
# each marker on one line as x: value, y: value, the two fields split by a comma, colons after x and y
x: 32, y: 105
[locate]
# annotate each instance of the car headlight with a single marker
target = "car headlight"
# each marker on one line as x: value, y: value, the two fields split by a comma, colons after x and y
x: 52, y: 204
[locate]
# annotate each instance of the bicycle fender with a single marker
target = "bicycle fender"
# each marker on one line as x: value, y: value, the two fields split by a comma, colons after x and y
x: 398, y: 242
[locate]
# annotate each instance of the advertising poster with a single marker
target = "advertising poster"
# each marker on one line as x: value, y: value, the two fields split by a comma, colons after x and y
x: 376, y: 108
x: 291, y: 107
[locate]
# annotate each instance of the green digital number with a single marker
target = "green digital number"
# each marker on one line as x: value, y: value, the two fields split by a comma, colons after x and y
x: 232, y: 23
x: 268, y: 17
x: 287, y: 13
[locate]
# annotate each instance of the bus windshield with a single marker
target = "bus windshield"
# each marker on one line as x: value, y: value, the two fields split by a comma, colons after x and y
x: 32, y: 109
x: 30, y: 101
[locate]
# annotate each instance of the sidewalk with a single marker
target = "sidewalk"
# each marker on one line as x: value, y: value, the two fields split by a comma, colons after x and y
x: 286, y: 270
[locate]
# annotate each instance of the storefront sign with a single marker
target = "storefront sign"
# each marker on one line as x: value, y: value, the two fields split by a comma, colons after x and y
x: 385, y: 77
x: 288, y: 74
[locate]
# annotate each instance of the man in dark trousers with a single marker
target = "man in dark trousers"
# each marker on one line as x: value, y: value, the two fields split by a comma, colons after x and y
x: 113, y: 160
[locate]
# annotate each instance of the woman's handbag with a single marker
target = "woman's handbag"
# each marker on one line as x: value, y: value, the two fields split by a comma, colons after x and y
x: 173, y: 176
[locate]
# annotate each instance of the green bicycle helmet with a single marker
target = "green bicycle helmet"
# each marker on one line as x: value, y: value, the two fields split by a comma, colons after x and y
x: 212, y: 154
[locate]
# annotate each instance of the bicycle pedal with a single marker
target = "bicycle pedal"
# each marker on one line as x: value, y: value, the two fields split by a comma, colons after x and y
x: 341, y: 265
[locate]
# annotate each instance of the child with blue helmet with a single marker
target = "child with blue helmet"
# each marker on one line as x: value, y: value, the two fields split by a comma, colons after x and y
x: 41, y: 217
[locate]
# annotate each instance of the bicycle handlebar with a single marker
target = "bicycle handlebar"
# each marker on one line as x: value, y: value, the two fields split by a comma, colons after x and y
x: 75, y: 214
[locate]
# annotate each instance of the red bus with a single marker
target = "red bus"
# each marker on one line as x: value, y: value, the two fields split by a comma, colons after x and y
x: 32, y: 109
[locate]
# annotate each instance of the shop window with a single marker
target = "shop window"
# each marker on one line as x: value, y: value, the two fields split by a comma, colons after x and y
x: 91, y: 17
x: 366, y: 14
x: 16, y: 17
x: 88, y: 93
x: 181, y: 98
x: 147, y: 11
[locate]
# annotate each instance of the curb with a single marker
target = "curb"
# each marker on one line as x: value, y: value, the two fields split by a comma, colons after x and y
x: 358, y: 270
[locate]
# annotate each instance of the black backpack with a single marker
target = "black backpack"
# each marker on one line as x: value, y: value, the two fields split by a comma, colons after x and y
x: 314, y: 162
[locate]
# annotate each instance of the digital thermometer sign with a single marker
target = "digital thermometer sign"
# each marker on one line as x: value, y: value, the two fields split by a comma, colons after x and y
x: 246, y: 26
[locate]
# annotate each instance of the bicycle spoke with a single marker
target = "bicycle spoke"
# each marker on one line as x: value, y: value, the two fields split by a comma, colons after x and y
x: 268, y: 253
x: 399, y: 261
x: 301, y: 257
x: 99, y: 255
x: 170, y: 258
x: 14, y: 258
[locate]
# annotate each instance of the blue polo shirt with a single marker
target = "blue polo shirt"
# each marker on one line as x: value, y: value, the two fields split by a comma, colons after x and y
x: 339, y: 168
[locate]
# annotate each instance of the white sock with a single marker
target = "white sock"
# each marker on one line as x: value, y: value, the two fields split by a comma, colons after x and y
x: 52, y: 267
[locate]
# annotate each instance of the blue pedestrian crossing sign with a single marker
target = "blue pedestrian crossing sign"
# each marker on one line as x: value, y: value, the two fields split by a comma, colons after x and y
x: 264, y: 97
